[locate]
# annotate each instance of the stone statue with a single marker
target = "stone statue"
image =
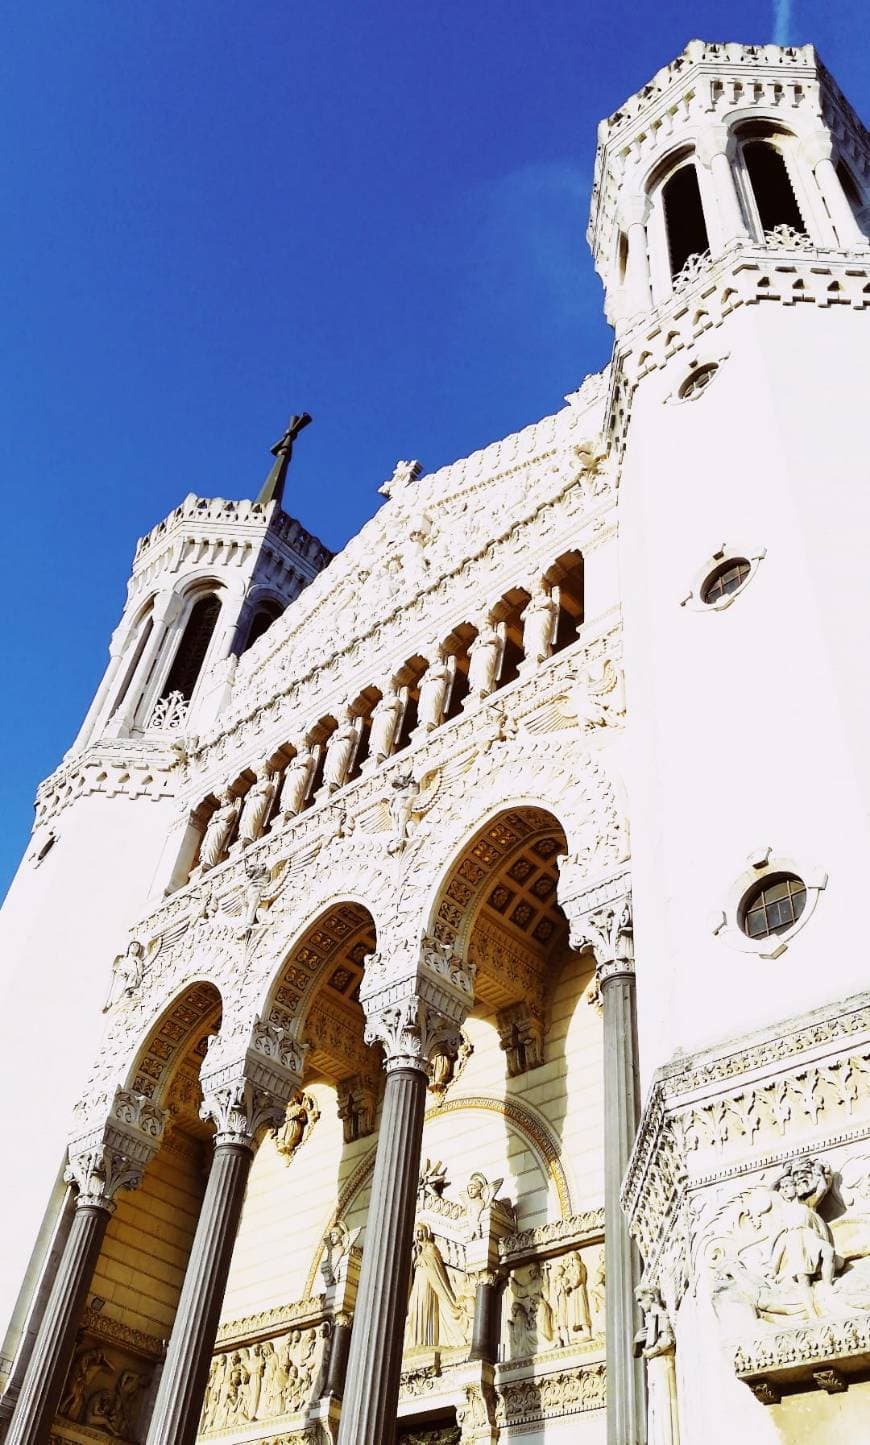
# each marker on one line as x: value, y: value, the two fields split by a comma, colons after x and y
x: 386, y: 721
x: 336, y: 1249
x: 300, y: 1117
x: 219, y: 831
x: 656, y: 1344
x: 406, y: 791
x: 434, y: 1315
x: 570, y: 1298
x: 236, y: 1390
x: 435, y: 689
x: 357, y: 1102
x: 479, y: 1194
x: 256, y: 1370
x: 540, y: 620
x: 597, y: 1290
x: 84, y: 1368
x: 258, y: 801
x: 484, y: 660
x: 441, y: 1070
x: 297, y: 779
x: 340, y: 752
x: 127, y: 973
x: 597, y: 697
x: 114, y: 1411
x: 802, y: 1250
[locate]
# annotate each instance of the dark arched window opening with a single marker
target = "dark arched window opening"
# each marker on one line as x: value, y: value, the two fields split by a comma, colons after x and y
x: 684, y: 217
x: 850, y: 189
x: 771, y: 187
x: 266, y: 614
x: 193, y: 647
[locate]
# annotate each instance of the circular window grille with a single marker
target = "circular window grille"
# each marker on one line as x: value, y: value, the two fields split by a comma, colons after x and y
x: 725, y: 579
x: 697, y: 381
x: 773, y: 906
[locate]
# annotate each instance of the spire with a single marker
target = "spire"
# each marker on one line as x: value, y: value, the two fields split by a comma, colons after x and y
x: 272, y: 489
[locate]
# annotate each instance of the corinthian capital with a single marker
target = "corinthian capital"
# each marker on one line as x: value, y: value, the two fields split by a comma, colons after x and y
x: 600, y: 919
x: 410, y: 1030
x: 240, y: 1110
x: 114, y: 1154
x: 248, y: 1076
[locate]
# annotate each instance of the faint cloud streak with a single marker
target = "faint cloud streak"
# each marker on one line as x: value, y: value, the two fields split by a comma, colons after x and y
x: 782, y: 22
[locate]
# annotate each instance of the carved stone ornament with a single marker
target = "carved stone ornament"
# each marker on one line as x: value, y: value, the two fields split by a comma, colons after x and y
x: 239, y: 1111
x: 114, y: 1155
x: 300, y: 1116
x: 410, y: 1030
x: 600, y: 919
x: 100, y: 1173
x: 271, y: 1063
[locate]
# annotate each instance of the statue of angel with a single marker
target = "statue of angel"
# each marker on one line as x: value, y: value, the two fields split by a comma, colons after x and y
x: 127, y: 974
x: 478, y: 1195
x: 411, y: 800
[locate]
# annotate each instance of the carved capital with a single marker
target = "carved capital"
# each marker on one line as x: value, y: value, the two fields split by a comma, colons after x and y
x: 600, y: 919
x: 415, y: 999
x: 712, y: 141
x: 634, y: 210
x: 410, y: 1029
x: 816, y: 147
x: 114, y: 1155
x: 239, y: 1110
x: 248, y: 1082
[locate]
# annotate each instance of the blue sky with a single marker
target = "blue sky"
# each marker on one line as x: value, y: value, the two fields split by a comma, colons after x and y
x: 215, y: 214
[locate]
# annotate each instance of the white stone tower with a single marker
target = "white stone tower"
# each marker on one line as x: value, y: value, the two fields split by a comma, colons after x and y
x: 206, y: 583
x: 729, y: 225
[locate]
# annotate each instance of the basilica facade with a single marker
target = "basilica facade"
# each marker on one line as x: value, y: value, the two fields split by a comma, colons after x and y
x: 436, y: 1014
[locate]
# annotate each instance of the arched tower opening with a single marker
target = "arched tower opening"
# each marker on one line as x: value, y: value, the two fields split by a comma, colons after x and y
x: 771, y: 185
x: 190, y: 654
x: 685, y: 224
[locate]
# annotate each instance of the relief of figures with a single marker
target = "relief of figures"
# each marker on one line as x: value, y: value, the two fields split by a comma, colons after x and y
x: 655, y: 1343
x: 547, y: 1305
x: 266, y: 1380
x: 770, y: 1255
x: 111, y: 1407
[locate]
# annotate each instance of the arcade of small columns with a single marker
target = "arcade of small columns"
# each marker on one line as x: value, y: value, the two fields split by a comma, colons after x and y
x: 412, y: 1003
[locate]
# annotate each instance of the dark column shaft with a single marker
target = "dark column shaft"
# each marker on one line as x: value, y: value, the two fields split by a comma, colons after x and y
x: 53, y: 1350
x: 626, y: 1402
x: 178, y: 1406
x: 337, y: 1373
x: 371, y: 1394
x: 483, y: 1335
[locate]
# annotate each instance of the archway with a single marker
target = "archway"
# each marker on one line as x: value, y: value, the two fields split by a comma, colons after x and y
x: 137, y: 1281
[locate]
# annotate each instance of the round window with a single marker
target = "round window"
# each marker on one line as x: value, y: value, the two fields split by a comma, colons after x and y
x: 725, y: 579
x: 773, y: 906
x: 697, y: 381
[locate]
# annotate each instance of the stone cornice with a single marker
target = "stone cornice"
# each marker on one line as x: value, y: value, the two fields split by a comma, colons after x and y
x: 115, y: 767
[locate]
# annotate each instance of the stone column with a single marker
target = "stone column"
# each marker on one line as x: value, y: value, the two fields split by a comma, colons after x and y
x: 337, y: 1372
x: 636, y: 283
x: 600, y: 919
x: 111, y: 1158
x: 817, y: 150
x: 712, y: 151
x: 241, y: 1097
x: 484, y: 1334
x: 412, y: 1006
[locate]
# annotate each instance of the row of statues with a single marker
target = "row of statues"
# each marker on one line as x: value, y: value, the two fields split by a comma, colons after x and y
x: 246, y: 819
x: 266, y: 1380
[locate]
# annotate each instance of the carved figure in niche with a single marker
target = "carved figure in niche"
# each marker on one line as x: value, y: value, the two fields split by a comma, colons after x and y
x: 339, y: 1242
x: 597, y: 697
x: 656, y: 1344
x: 217, y: 835
x: 484, y: 660
x: 521, y: 1036
x: 434, y: 1315
x: 386, y: 721
x: 256, y: 1370
x: 300, y: 1117
x: 803, y: 1250
x: 434, y: 696
x: 270, y: 1392
x: 340, y: 752
x: 84, y: 1369
x: 419, y: 536
x: 297, y: 779
x: 530, y: 1321
x: 115, y: 1410
x: 570, y: 1298
x: 441, y: 1070
x: 258, y: 801
x: 127, y: 974
x: 477, y: 1197
x: 540, y: 620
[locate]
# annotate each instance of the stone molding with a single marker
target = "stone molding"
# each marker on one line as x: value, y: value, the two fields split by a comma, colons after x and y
x: 116, y: 768
x: 599, y: 918
x: 555, y: 1237
x: 115, y: 1332
x: 248, y: 1091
